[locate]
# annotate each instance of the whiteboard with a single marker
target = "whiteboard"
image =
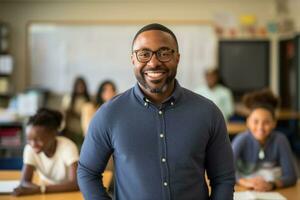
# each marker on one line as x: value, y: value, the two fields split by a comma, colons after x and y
x: 58, y: 53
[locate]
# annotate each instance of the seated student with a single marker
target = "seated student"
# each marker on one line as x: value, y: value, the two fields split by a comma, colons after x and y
x: 263, y: 157
x: 217, y: 92
x: 54, y: 157
x: 106, y: 91
x: 72, y: 107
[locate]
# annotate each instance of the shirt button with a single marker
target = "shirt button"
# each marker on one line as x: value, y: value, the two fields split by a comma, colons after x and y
x: 160, y: 112
x: 163, y: 160
x: 172, y: 103
x: 145, y: 104
x: 165, y: 184
x: 161, y: 135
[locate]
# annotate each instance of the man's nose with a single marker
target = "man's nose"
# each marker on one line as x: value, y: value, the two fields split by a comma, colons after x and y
x: 154, y: 61
x: 260, y: 127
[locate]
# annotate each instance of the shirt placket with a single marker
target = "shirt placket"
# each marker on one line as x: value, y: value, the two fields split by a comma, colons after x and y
x: 162, y: 136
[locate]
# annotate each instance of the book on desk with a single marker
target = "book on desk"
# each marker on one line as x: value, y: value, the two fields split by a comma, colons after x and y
x: 252, y: 195
x: 7, y: 186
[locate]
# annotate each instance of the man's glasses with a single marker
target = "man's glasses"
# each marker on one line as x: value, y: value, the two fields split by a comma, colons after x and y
x: 162, y: 54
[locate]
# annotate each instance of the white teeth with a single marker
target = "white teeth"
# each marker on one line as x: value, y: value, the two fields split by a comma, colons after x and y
x: 154, y: 74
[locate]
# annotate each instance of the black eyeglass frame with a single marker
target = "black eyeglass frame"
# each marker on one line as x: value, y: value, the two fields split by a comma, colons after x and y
x: 154, y: 52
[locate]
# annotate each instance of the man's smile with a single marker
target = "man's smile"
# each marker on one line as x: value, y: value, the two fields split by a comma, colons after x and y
x: 155, y: 75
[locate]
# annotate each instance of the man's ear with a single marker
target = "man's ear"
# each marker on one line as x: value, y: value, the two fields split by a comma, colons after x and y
x: 132, y: 59
x: 178, y: 57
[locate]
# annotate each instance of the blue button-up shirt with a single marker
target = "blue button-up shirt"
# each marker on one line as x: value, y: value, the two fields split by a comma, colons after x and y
x: 160, y: 153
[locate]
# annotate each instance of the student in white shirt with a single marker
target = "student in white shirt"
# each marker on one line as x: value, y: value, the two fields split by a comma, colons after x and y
x: 54, y: 157
x: 217, y: 92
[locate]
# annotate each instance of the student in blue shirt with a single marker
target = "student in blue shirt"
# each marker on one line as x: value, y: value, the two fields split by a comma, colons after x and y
x: 263, y: 157
x: 163, y: 137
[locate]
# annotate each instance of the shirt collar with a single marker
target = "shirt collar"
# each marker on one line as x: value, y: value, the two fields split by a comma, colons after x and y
x: 173, y: 98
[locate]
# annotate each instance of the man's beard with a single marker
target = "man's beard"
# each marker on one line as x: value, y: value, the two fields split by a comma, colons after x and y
x: 142, y: 81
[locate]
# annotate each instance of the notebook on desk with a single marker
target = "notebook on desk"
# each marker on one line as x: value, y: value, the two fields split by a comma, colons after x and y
x: 8, y: 186
x: 251, y: 195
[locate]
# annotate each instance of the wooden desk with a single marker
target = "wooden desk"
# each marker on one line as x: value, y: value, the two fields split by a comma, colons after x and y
x: 13, y: 175
x: 285, y: 114
x: 56, y: 196
x: 291, y: 193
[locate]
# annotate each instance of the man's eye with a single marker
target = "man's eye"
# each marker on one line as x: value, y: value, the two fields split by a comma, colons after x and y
x: 144, y: 54
x: 164, y: 53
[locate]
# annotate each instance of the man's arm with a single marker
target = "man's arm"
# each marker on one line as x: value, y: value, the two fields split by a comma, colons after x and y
x: 219, y: 160
x: 94, y: 156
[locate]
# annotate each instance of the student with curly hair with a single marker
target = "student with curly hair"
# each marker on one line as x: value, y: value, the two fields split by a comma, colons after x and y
x: 53, y: 157
x: 263, y: 157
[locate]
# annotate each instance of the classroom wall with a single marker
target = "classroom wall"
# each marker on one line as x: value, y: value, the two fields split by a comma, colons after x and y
x: 19, y: 13
x: 294, y: 7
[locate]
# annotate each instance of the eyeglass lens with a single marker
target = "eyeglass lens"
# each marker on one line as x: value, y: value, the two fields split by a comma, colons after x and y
x: 163, y: 54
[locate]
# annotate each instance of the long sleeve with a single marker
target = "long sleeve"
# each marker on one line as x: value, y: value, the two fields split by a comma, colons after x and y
x: 228, y: 104
x: 237, y: 146
x: 219, y: 162
x: 289, y: 174
x: 94, y: 156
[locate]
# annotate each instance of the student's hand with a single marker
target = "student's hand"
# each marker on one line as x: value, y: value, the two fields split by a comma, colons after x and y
x: 261, y: 185
x: 247, y: 182
x: 23, y: 190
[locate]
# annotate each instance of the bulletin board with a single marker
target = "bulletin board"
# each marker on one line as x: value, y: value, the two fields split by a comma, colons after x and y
x: 59, y: 52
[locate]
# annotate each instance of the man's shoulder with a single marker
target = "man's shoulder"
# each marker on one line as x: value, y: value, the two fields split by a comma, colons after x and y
x: 115, y: 105
x: 119, y: 99
x: 197, y: 100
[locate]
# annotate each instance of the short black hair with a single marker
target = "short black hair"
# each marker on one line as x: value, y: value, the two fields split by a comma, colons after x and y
x: 155, y: 26
x: 48, y: 118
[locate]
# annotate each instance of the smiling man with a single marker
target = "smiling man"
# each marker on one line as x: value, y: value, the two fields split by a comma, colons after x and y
x: 162, y: 136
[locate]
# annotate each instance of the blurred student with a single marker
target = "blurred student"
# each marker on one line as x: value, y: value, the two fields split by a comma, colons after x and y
x: 217, y: 92
x: 72, y: 106
x: 54, y: 157
x: 263, y: 157
x: 106, y: 91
